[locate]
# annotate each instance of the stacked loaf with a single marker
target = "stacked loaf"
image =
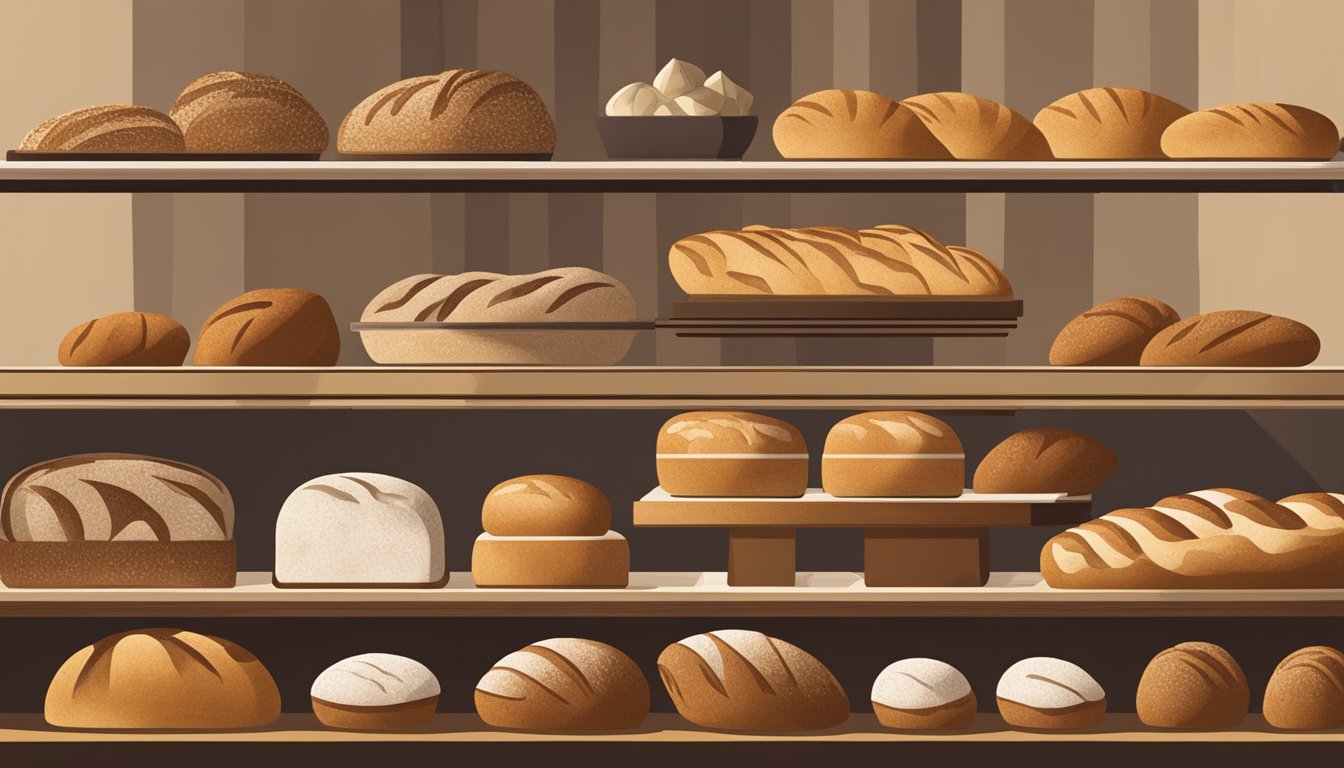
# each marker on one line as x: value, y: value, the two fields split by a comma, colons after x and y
x: 893, y: 453
x: 728, y: 453
x: 564, y: 684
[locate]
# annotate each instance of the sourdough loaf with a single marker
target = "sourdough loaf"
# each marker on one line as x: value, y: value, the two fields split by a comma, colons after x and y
x: 1108, y: 124
x: 975, y: 128
x: 1306, y: 691
x: 725, y: 453
x: 545, y: 505
x: 270, y: 326
x: 1193, y: 685
x: 923, y: 694
x: 564, y: 684
x: 1113, y: 332
x: 1045, y: 461
x: 374, y: 691
x: 126, y: 338
x: 112, y: 128
x: 1233, y: 338
x: 893, y: 453
x: 860, y: 125
x: 1256, y: 130
x: 564, y: 295
x: 1050, y: 694
x: 245, y: 112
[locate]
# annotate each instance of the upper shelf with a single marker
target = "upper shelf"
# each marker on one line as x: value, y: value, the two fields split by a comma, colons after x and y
x: 671, y: 176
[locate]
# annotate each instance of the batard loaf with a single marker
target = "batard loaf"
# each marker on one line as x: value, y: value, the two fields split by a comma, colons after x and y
x: 860, y: 125
x: 893, y: 453
x: 245, y: 112
x: 1045, y: 461
x: 373, y: 691
x: 1050, y: 694
x: 545, y: 505
x: 564, y: 684
x: 271, y: 326
x: 714, y: 453
x: 111, y: 128
x: 1306, y: 691
x: 1193, y: 685
x: 126, y: 338
x: 1108, y: 124
x: 923, y: 694
x: 975, y: 128
x: 1113, y: 332
x: 1233, y: 338
x: 1257, y: 130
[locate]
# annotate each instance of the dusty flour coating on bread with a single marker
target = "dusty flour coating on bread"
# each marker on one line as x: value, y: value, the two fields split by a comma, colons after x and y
x: 565, y: 294
x: 919, y: 683
x: 375, y: 680
x: 1042, y: 682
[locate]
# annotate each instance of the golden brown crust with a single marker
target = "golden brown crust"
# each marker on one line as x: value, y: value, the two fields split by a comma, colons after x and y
x: 975, y: 128
x: 564, y: 684
x: 860, y: 125
x: 949, y: 717
x: 246, y: 112
x: 1075, y: 718
x: 1193, y: 685
x: 555, y: 561
x: 929, y: 459
x: 545, y: 505
x: 1306, y: 691
x: 1253, y: 130
x: 412, y: 714
x: 111, y: 128
x: 1113, y: 332
x: 1233, y: 338
x: 126, y: 338
x: 270, y: 326
x: 1045, y: 461
x: 1108, y: 124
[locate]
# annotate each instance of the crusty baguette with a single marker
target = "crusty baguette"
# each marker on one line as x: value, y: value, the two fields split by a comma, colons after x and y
x: 110, y: 128
x: 1257, y: 130
x: 245, y: 112
x: 1233, y: 338
x: 1113, y: 332
x: 1108, y: 124
x: 860, y: 125
x: 976, y: 128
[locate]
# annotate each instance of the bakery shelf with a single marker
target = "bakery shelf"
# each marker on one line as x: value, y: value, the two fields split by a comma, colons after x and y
x: 673, y: 594
x: 961, y: 388
x: 671, y: 176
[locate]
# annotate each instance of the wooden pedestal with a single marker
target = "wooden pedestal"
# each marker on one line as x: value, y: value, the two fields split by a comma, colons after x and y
x: 761, y: 557
x: 925, y: 557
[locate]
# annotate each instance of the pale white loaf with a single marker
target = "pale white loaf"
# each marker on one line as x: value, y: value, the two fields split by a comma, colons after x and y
x: 919, y: 684
x: 566, y: 294
x: 1046, y: 683
x: 375, y: 680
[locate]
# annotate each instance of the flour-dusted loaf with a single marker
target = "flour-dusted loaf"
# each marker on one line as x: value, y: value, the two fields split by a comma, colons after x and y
x: 248, y: 113
x: 107, y: 129
x: 270, y: 326
x: 736, y: 679
x: 893, y: 453
x: 563, y: 295
x: 116, y: 520
x: 1050, y: 694
x: 457, y: 112
x: 1113, y: 332
x: 1045, y: 461
x: 1306, y: 691
x: 1237, y: 338
x: 923, y: 694
x: 1193, y: 685
x: 126, y: 338
x: 731, y: 453
x: 854, y: 125
x: 545, y: 505
x: 975, y: 128
x: 1253, y: 131
x: 564, y: 684
x: 162, y: 679
x: 595, y: 562
x: 374, y: 691
x: 1212, y: 539
x: 359, y: 529
x: 1108, y: 124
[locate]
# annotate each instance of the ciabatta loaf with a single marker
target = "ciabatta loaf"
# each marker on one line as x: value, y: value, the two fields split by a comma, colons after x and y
x: 976, y: 128
x: 1108, y: 124
x: 111, y: 128
x: 1253, y: 131
x: 1233, y: 337
x: 861, y: 125
x: 245, y: 112
x: 564, y: 684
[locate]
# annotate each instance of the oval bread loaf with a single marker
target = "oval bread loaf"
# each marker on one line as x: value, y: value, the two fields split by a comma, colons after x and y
x: 1049, y: 693
x: 375, y: 691
x: 111, y: 128
x: 270, y: 326
x: 246, y: 112
x: 731, y: 453
x: 1108, y: 124
x: 1233, y: 338
x: 564, y: 684
x: 126, y: 338
x: 1045, y: 461
x: 1253, y: 130
x: 1113, y: 332
x: 545, y: 505
x: 975, y: 128
x: 564, y: 294
x: 858, y: 125
x: 893, y: 453
x: 923, y: 694
x: 1193, y: 685
x: 1306, y: 691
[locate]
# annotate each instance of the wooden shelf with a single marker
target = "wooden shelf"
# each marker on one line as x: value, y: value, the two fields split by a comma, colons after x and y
x: 673, y: 594
x: 961, y: 388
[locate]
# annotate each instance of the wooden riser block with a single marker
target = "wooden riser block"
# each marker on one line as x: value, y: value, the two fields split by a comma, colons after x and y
x: 925, y: 557
x: 761, y: 557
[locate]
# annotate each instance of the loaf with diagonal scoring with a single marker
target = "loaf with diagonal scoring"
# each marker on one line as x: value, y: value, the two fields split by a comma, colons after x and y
x: 564, y: 684
x: 566, y: 294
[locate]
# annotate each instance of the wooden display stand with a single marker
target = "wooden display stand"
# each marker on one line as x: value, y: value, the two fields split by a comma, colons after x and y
x: 914, y: 542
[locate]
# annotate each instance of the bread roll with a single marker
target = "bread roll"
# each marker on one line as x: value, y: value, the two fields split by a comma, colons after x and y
x: 551, y: 561
x: 1114, y: 332
x: 1108, y: 124
x: 271, y: 326
x: 1045, y: 461
x: 564, y: 684
x: 975, y: 128
x: 726, y: 453
x: 162, y: 679
x: 1050, y: 694
x: 457, y: 112
x: 923, y: 694
x: 1193, y: 685
x: 735, y: 679
x: 893, y: 453
x: 1233, y: 338
x: 1306, y: 691
x: 113, y: 128
x: 374, y: 691
x: 244, y: 112
x: 1253, y: 131
x: 545, y: 505
x: 854, y: 125
x: 126, y: 338
x: 359, y: 529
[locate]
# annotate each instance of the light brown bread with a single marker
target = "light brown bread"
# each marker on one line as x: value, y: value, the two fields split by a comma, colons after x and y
x: 563, y: 294
x: 854, y: 125
x: 1193, y: 685
x: 1113, y: 332
x: 564, y: 684
x: 1254, y: 130
x: 126, y: 338
x: 893, y: 453
x: 551, y: 561
x: 1306, y: 691
x: 1238, y: 338
x: 740, y: 680
x: 545, y: 505
x: 975, y: 128
x: 729, y: 453
x: 1045, y: 461
x: 111, y: 128
x: 159, y: 679
x: 948, y: 270
x: 245, y: 112
x: 457, y: 112
x: 270, y: 326
x: 1108, y: 124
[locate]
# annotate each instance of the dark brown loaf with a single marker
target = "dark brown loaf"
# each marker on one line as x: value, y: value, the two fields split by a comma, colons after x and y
x: 564, y: 684
x: 1234, y: 338
x: 271, y: 326
x: 545, y: 505
x: 1114, y: 332
x: 1108, y: 124
x: 458, y: 112
x: 244, y: 112
x: 1045, y: 461
x: 112, y: 128
x: 126, y: 338
x: 1306, y: 691
x: 1193, y: 685
x: 1256, y: 130
x: 860, y: 125
x: 976, y: 128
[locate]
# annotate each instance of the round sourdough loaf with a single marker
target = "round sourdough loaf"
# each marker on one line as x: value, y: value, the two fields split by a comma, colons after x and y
x: 923, y: 694
x: 545, y: 505
x: 1193, y: 685
x: 1306, y: 691
x: 1045, y: 461
x: 107, y: 129
x: 1237, y: 338
x: 713, y: 453
x: 740, y: 680
x: 854, y: 125
x: 270, y: 326
x: 1108, y: 124
x: 162, y: 679
x: 1254, y: 130
x: 976, y: 128
x: 375, y: 691
x: 1050, y: 694
x: 126, y: 338
x: 1113, y: 332
x: 893, y: 453
x: 244, y: 112
x: 564, y: 684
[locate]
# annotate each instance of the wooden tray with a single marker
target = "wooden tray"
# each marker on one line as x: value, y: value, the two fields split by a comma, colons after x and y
x: 20, y: 155
x: 844, y: 316
x: 445, y: 156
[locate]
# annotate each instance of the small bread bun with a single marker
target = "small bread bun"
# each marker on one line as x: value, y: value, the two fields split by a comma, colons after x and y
x: 1193, y: 685
x: 126, y: 338
x: 893, y: 453
x: 713, y: 453
x: 1306, y: 691
x: 545, y: 505
x: 1051, y: 694
x: 923, y: 694
x: 1045, y: 461
x: 373, y: 691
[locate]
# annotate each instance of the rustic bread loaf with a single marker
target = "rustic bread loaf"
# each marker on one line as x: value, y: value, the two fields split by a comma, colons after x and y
x: 1193, y: 685
x: 1050, y: 694
x: 1306, y: 691
x: 893, y: 453
x: 564, y: 294
x: 112, y: 128
x: 859, y: 125
x: 126, y: 338
x: 246, y: 113
x: 1113, y: 332
x: 551, y: 561
x: 1233, y: 338
x: 374, y: 691
x: 725, y: 453
x: 270, y: 326
x: 740, y: 680
x: 923, y: 694
x: 1108, y: 124
x: 564, y: 684
x: 1045, y: 461
x: 458, y: 112
x: 1253, y: 131
x: 948, y: 270
x: 976, y: 128
x: 545, y: 505
x: 161, y: 679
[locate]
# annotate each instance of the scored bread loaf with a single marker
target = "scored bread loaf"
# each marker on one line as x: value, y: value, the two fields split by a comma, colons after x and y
x: 111, y: 128
x: 375, y: 691
x: 1113, y: 332
x: 564, y: 294
x: 1108, y: 124
x: 270, y: 326
x: 893, y: 453
x: 975, y: 128
x: 1306, y: 691
x: 728, y: 453
x: 923, y: 694
x: 1233, y: 338
x: 859, y: 125
x: 949, y: 270
x: 1045, y: 461
x: 545, y: 505
x: 564, y: 684
x: 1255, y: 130
x: 1193, y: 685
x: 245, y: 112
x: 126, y: 338
x: 1050, y: 694
x: 1212, y: 539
